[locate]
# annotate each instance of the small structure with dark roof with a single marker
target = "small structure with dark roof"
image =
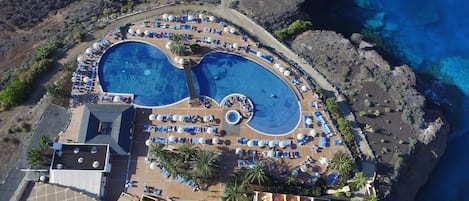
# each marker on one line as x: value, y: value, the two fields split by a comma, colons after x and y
x: 82, y: 167
x: 107, y: 124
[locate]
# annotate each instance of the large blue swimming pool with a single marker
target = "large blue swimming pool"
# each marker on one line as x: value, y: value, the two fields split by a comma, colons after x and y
x: 144, y: 70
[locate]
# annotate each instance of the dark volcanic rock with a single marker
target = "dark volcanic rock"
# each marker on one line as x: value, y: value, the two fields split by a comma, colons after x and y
x: 349, y: 67
x: 272, y: 14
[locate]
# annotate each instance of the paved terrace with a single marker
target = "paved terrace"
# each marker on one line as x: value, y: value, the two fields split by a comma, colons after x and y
x: 140, y: 173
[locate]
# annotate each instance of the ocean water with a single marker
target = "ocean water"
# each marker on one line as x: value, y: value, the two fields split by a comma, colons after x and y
x: 433, y: 37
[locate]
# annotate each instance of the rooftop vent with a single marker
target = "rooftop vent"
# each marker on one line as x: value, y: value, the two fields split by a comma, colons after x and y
x: 59, y: 166
x: 94, y: 150
x: 60, y: 153
x: 95, y: 164
x: 80, y: 160
x: 76, y: 150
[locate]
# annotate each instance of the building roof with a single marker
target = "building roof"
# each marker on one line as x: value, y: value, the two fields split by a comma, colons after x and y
x: 37, y: 191
x: 107, y: 124
x: 80, y: 166
x: 80, y: 157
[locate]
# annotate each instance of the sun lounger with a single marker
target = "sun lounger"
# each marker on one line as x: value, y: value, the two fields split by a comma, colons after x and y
x: 245, y: 141
x: 239, y: 140
x: 195, y: 140
x: 255, y: 142
x: 337, y: 142
x: 305, y: 125
x: 296, y: 154
x: 276, y: 142
x: 253, y: 52
x: 241, y: 163
x: 250, y: 163
x: 322, y: 142
x: 331, y: 179
x: 252, y: 153
x: 286, y: 154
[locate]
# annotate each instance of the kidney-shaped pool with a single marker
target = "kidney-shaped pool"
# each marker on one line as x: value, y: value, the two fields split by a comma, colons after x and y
x: 144, y: 70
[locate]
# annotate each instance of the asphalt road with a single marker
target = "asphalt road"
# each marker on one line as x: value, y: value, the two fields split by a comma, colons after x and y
x: 53, y: 120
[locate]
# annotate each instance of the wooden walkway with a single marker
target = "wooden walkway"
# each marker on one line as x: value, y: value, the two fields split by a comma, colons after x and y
x: 190, y: 82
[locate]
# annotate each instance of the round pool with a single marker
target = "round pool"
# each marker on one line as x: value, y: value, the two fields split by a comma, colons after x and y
x: 233, y: 117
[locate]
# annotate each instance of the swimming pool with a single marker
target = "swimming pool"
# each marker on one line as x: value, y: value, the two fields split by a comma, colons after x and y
x: 145, y: 71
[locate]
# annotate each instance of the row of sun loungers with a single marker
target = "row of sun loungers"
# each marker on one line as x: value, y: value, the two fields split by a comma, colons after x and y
x: 323, y: 124
x: 282, y: 154
x: 180, y: 140
x: 151, y: 190
x: 188, y: 183
x: 185, y: 129
x: 261, y: 55
x: 245, y: 163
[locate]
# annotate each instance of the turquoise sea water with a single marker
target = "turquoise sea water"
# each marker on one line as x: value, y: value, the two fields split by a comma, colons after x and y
x: 433, y: 37
x: 143, y: 70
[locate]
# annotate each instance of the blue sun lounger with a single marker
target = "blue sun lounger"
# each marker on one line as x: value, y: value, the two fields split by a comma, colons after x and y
x: 296, y: 154
x: 331, y: 179
x: 245, y: 141
x: 195, y: 140
x: 253, y: 52
x: 239, y: 140
x: 255, y: 142
x: 304, y: 121
x: 322, y: 142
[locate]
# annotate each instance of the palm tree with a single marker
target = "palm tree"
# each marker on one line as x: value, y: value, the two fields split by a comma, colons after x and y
x: 177, y: 45
x: 186, y: 151
x: 235, y: 190
x: 359, y: 180
x: 370, y: 198
x: 341, y: 162
x: 156, y: 150
x: 291, y: 179
x: 257, y: 173
x: 204, y: 164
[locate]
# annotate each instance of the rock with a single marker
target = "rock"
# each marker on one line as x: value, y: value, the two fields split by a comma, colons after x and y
x: 272, y: 14
x: 356, y: 38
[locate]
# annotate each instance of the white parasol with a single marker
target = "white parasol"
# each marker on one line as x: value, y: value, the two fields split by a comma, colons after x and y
x: 309, y: 121
x: 159, y: 117
x: 180, y: 130
x: 148, y: 142
x: 313, y: 133
x: 282, y: 144
x: 212, y: 18
x: 181, y: 118
x: 153, y: 165
x: 271, y: 144
x: 215, y: 140
x: 175, y: 117
x: 300, y: 136
x: 239, y: 151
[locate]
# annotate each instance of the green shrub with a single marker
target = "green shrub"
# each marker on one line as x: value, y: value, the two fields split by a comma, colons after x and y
x: 387, y: 180
x: 401, y: 141
x: 194, y: 47
x: 316, y: 191
x: 348, y: 194
x: 377, y: 113
x: 338, y: 194
x: 362, y: 113
x: 333, y: 108
x: 369, y: 129
x: 387, y: 109
x: 406, y: 116
x: 382, y: 141
x: 14, y: 93
x: 367, y: 103
x: 296, y: 27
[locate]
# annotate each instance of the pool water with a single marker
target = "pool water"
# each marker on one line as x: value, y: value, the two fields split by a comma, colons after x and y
x: 144, y: 70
